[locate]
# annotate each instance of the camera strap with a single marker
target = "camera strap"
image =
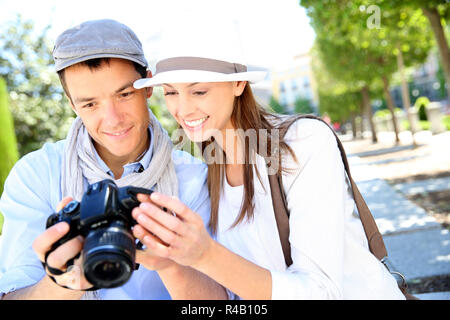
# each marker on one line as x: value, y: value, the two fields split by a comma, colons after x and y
x: 52, y: 272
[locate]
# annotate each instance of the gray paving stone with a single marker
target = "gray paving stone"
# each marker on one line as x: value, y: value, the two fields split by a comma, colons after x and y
x: 420, y: 254
x: 430, y: 185
x: 392, y: 211
x: 434, y: 296
x: 361, y: 171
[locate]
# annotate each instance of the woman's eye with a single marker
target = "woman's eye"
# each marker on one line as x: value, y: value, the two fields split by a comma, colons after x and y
x: 169, y: 93
x: 126, y: 94
x: 200, y: 93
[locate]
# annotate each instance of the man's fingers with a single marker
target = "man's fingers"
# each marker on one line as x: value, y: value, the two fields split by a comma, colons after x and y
x: 68, y: 250
x: 63, y: 203
x: 43, y: 243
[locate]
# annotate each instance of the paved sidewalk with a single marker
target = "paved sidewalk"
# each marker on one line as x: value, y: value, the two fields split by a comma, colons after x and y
x: 411, y: 188
x: 417, y: 245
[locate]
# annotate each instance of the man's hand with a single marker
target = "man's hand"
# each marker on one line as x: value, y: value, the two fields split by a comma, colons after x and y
x: 73, y: 277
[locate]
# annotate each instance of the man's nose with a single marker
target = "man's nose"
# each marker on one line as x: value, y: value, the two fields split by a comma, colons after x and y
x: 112, y: 114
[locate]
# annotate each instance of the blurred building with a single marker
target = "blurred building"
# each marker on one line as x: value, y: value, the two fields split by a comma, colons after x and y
x: 262, y: 90
x: 424, y: 81
x: 295, y: 80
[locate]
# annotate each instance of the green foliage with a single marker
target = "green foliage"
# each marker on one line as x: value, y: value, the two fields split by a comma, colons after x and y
x: 353, y: 54
x: 157, y: 105
x: 8, y: 144
x: 382, y: 114
x: 276, y: 106
x: 339, y: 106
x: 441, y: 79
x: 420, y: 105
x: 303, y: 106
x: 425, y: 124
x: 1, y: 222
x: 337, y: 98
x: 41, y: 112
x: 385, y: 113
x: 446, y: 122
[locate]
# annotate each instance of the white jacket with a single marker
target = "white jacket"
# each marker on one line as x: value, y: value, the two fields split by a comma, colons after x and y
x: 329, y: 249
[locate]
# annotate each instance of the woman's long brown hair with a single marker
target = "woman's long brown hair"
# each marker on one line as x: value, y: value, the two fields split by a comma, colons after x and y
x: 247, y: 114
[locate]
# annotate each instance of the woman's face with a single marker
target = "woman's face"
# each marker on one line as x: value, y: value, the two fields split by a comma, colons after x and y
x: 202, y: 107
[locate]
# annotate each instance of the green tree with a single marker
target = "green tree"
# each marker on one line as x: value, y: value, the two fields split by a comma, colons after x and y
x: 276, y: 106
x: 437, y: 13
x: 303, y: 105
x: 157, y: 105
x: 40, y: 110
x: 8, y: 143
x: 337, y: 98
x: 361, y: 54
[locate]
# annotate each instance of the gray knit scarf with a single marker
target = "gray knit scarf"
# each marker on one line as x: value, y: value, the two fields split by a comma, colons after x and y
x: 80, y: 162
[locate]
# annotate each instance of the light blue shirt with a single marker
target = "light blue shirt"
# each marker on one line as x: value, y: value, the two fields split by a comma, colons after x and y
x: 32, y: 192
x: 130, y: 167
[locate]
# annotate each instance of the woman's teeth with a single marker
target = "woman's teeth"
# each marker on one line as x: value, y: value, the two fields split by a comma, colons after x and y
x: 195, y: 123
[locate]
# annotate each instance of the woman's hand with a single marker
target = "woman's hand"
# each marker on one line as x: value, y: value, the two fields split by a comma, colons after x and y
x: 147, y: 257
x: 180, y: 237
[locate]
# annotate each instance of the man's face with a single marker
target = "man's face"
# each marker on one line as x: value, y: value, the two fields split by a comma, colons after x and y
x: 114, y: 113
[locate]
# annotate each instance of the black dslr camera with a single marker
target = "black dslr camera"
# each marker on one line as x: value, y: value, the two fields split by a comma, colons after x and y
x: 103, y: 218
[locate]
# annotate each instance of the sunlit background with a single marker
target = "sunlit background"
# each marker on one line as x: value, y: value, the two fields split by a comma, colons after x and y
x: 377, y: 70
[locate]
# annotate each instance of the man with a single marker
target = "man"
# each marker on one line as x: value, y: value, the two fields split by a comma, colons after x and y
x: 115, y: 136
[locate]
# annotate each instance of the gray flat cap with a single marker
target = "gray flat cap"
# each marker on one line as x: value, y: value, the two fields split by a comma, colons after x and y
x: 97, y: 39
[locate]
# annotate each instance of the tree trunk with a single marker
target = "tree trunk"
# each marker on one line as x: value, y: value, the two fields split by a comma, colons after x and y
x: 368, y: 110
x: 391, y: 106
x: 435, y: 20
x: 353, y: 122
x: 361, y: 121
x: 405, y: 95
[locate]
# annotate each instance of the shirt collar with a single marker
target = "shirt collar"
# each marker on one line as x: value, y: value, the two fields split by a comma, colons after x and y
x: 130, y: 167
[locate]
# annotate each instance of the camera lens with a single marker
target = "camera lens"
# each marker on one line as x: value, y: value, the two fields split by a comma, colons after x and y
x: 108, y: 256
x: 108, y: 270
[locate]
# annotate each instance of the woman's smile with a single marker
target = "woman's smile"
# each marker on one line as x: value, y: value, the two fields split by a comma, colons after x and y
x: 195, y: 124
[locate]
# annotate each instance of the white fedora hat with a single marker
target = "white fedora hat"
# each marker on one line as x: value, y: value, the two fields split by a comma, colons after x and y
x: 201, y: 50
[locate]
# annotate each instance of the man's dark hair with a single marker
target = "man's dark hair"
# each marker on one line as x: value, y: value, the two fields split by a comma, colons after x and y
x: 95, y: 64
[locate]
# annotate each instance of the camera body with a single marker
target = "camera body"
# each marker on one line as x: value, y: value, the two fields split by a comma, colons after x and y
x: 103, y: 218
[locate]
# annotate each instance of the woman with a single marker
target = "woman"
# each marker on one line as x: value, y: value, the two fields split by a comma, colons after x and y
x: 210, y: 97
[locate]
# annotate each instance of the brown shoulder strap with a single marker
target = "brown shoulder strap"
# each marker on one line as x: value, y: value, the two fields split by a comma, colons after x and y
x: 281, y: 215
x: 375, y: 240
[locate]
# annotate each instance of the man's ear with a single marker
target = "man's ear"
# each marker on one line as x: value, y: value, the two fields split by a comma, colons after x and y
x: 149, y: 89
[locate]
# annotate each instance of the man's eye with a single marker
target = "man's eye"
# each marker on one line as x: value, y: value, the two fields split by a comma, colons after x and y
x: 89, y: 105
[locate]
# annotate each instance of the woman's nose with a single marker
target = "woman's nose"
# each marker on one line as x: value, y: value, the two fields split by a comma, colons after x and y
x: 185, y: 106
